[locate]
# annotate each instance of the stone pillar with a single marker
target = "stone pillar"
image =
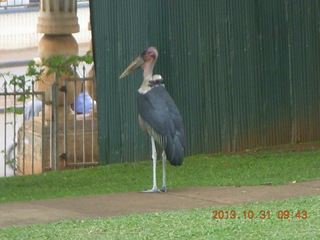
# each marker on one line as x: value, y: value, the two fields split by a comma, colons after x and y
x: 91, y: 86
x: 58, y: 17
x: 57, y: 20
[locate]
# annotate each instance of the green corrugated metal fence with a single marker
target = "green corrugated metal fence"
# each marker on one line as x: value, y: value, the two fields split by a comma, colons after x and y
x: 244, y: 73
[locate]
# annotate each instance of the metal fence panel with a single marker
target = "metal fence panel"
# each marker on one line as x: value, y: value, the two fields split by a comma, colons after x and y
x: 64, y: 136
x: 79, y: 146
x: 243, y: 73
x: 21, y: 129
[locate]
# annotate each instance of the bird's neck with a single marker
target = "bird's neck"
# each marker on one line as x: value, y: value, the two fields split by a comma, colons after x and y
x: 147, y: 76
x: 144, y: 88
x: 148, y: 70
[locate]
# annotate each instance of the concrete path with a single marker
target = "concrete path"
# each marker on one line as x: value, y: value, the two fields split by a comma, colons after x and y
x: 101, y: 206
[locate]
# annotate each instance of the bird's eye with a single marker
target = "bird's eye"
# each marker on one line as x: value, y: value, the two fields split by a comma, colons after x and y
x: 151, y: 54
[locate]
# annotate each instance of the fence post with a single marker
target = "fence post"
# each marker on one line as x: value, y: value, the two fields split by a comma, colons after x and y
x: 54, y: 131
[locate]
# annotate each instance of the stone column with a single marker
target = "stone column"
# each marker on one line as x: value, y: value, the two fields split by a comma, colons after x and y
x: 91, y: 86
x: 57, y: 20
x: 58, y: 17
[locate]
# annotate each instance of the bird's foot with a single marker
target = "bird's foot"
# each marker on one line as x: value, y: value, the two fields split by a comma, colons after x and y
x: 153, y: 190
x: 163, y: 189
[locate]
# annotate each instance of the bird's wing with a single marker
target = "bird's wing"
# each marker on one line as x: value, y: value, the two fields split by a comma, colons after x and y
x: 157, y: 108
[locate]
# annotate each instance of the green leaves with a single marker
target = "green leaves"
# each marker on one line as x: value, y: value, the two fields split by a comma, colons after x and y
x: 14, y: 110
x: 35, y: 70
x: 55, y: 64
x: 60, y: 64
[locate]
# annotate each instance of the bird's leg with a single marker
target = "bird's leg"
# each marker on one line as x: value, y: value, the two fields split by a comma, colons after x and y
x: 164, y: 161
x: 154, y: 162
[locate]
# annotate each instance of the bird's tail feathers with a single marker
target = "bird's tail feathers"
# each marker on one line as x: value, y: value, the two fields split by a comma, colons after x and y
x: 175, y: 151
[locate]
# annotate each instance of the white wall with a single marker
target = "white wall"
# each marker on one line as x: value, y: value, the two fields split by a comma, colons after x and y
x: 19, y: 30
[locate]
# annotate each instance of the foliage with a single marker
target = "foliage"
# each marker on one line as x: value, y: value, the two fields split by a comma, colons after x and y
x: 188, y: 224
x: 55, y: 64
x: 269, y: 168
x: 24, y: 83
x: 248, y: 168
x: 58, y: 64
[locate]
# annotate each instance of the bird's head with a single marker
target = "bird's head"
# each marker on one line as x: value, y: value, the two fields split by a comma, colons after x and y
x: 149, y: 55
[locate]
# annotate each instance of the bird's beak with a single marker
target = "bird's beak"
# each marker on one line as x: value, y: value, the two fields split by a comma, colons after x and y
x: 138, y: 62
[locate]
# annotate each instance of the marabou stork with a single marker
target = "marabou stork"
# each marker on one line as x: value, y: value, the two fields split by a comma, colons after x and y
x: 158, y: 115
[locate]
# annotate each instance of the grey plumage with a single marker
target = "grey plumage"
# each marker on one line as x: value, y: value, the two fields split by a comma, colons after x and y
x: 159, y: 111
x: 158, y: 115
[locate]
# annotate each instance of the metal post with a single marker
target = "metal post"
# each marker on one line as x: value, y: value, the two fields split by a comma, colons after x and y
x: 75, y: 119
x: 43, y: 131
x: 55, y: 124
x: 32, y: 132
x: 65, y: 123
x: 84, y: 115
x: 14, y: 128
x: 5, y: 128
x: 24, y: 134
x: 92, y: 124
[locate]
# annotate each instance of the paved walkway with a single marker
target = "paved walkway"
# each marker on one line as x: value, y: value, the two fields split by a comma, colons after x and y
x: 101, y: 206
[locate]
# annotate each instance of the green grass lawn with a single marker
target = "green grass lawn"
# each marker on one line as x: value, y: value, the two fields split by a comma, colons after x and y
x: 203, y: 170
x: 189, y: 224
x: 274, y: 167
